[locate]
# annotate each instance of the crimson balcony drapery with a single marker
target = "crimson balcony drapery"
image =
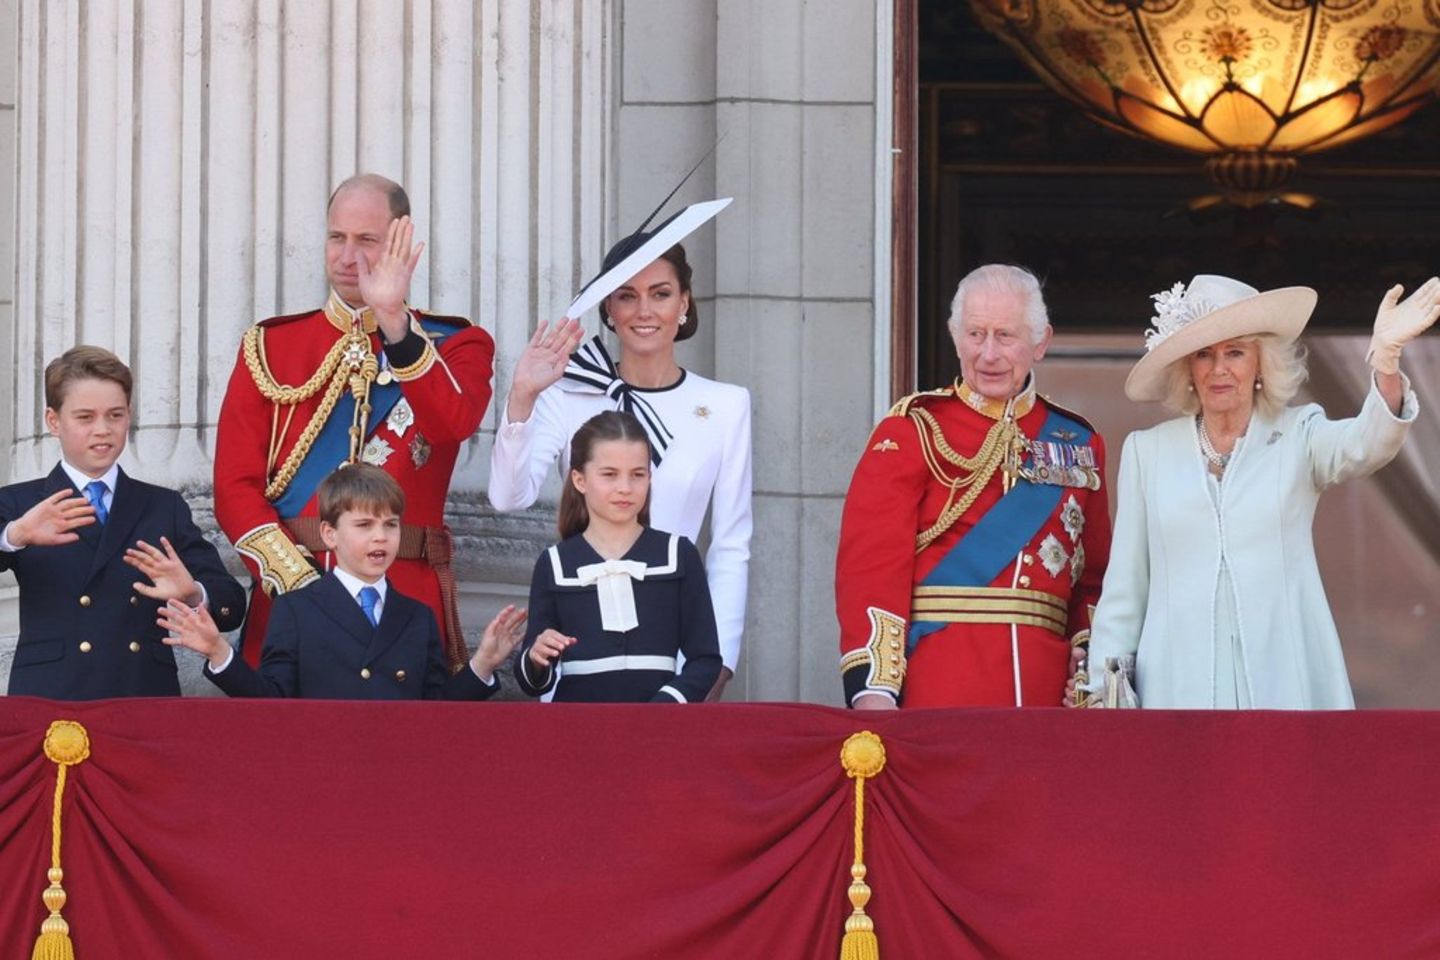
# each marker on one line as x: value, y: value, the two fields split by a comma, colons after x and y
x: 227, y: 829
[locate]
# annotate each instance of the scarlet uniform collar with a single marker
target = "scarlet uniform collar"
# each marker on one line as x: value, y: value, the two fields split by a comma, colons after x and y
x: 1016, y: 407
x: 344, y: 317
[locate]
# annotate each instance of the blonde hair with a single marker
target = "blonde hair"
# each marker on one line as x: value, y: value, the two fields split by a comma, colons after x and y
x: 1282, y: 371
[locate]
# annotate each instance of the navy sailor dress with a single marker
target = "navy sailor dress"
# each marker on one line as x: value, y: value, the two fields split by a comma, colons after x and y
x: 670, y: 655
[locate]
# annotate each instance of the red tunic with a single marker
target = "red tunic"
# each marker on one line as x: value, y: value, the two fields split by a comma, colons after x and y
x: 447, y: 395
x: 1012, y: 644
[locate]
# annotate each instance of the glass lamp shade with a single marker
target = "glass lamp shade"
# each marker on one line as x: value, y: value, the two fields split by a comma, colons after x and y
x: 1251, y: 83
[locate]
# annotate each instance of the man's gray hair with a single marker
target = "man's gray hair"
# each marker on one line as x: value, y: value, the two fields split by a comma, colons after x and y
x: 1003, y: 278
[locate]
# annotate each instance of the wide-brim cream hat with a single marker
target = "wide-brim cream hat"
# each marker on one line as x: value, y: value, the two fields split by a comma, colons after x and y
x: 1212, y: 309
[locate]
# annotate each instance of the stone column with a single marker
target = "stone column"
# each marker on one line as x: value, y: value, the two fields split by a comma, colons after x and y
x: 173, y: 160
x: 791, y: 268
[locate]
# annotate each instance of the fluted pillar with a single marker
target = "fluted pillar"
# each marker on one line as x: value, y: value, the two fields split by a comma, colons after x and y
x: 174, y: 158
x: 172, y: 161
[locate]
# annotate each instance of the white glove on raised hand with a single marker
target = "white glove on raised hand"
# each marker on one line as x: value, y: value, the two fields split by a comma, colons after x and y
x: 1396, y: 324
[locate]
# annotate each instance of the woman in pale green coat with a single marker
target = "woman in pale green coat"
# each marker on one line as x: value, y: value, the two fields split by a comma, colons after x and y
x: 1213, y: 596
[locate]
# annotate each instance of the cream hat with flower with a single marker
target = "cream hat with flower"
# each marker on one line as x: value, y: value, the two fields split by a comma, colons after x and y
x: 1212, y: 309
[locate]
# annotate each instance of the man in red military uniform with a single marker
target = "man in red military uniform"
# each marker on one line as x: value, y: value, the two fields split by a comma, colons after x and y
x: 976, y: 528
x: 368, y: 378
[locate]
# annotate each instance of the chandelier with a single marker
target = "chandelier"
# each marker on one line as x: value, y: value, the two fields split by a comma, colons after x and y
x: 1252, y: 84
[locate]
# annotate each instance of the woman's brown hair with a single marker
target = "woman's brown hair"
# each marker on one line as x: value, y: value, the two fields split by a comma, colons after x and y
x: 610, y: 425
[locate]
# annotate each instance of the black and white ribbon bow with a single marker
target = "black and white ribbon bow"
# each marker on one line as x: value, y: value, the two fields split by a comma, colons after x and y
x: 591, y: 365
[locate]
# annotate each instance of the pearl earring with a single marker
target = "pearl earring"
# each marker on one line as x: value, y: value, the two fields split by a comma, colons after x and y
x: 683, y: 318
x: 1189, y: 388
x: 1259, y: 384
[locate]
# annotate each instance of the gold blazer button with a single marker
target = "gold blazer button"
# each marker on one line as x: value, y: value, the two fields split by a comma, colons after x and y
x: 85, y: 646
x: 85, y: 600
x: 364, y: 673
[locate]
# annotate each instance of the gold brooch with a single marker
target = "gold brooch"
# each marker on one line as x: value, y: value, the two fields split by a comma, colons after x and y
x: 702, y: 412
x: 886, y: 444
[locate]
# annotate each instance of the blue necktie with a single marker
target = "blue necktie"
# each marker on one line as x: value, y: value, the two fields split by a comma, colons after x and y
x: 369, y: 596
x: 95, y: 493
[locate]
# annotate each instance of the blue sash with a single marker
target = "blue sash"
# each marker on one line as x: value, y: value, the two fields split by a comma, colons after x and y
x: 979, y: 556
x: 332, y: 444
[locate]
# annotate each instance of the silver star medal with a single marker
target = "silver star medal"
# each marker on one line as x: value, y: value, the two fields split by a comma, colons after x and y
x: 377, y: 451
x: 401, y: 417
x: 1053, y: 555
x: 1072, y: 518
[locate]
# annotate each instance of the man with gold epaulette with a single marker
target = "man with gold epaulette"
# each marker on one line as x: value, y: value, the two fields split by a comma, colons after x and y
x: 365, y: 378
x: 976, y: 528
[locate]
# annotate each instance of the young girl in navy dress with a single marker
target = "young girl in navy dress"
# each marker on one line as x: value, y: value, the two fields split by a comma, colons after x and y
x: 615, y: 604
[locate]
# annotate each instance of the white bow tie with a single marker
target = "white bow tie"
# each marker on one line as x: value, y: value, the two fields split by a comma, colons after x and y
x: 613, y: 580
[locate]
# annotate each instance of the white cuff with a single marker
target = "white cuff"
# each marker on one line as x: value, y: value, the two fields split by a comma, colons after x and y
x: 229, y: 659
x: 5, y: 544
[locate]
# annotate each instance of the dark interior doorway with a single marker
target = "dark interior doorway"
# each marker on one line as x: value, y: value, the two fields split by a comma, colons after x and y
x: 1007, y: 171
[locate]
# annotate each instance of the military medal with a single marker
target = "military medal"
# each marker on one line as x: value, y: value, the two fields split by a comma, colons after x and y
x: 385, y: 377
x: 377, y: 451
x: 419, y: 450
x: 401, y: 416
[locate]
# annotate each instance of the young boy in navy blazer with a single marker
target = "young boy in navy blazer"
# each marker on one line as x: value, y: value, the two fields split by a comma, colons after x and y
x: 87, y: 628
x: 350, y: 635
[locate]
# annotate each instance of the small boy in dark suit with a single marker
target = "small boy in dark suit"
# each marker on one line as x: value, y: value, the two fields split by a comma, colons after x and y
x: 350, y: 635
x: 87, y: 628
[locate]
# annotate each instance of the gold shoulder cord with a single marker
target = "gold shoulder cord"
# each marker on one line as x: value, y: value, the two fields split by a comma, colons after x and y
x: 976, y: 470
x: 350, y: 362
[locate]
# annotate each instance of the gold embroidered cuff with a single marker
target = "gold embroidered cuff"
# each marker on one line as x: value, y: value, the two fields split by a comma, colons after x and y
x: 419, y: 368
x: 283, y: 566
x: 885, y: 652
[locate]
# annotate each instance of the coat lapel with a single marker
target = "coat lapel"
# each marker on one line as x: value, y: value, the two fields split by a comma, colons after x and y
x: 125, y: 508
x: 393, y: 620
x: 338, y: 605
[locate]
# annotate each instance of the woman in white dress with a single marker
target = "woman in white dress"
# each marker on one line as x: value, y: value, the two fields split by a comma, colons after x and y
x: 1213, y: 595
x: 699, y: 428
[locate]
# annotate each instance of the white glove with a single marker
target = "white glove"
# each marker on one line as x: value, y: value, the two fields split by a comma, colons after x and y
x: 1396, y: 324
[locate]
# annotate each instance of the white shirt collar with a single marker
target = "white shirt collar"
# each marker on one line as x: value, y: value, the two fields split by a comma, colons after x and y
x: 354, y: 584
x: 78, y: 477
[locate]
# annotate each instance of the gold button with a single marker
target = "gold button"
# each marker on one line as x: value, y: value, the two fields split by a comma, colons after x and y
x: 1024, y: 581
x: 1027, y: 559
x: 85, y: 600
x: 134, y: 646
x: 85, y: 646
x: 134, y: 600
x: 400, y: 675
x: 364, y: 673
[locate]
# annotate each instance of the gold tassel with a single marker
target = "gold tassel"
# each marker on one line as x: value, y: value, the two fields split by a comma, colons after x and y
x: 862, y: 756
x: 67, y: 744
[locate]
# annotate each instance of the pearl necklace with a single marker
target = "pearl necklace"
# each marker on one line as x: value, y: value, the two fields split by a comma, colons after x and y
x: 1218, y: 461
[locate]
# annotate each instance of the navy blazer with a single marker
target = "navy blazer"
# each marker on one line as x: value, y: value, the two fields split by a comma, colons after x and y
x: 84, y: 632
x: 319, y: 644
